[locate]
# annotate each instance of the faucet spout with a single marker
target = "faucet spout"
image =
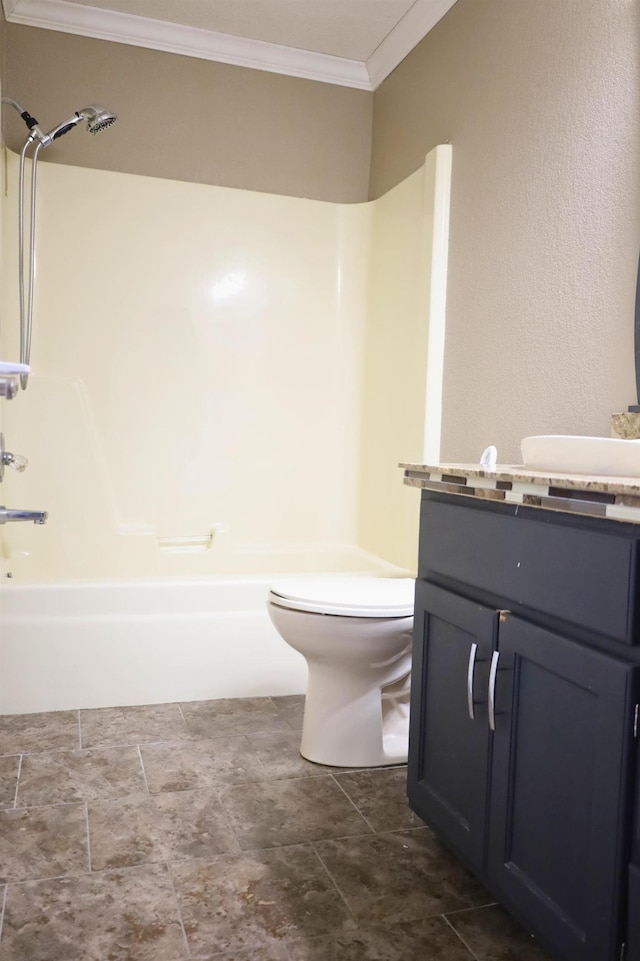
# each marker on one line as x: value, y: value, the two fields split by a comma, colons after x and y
x: 9, y: 514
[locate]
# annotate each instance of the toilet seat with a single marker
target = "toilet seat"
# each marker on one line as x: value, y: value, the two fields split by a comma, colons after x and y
x: 351, y: 596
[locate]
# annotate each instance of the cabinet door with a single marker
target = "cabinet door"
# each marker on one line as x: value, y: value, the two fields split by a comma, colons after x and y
x: 560, y: 788
x: 449, y: 734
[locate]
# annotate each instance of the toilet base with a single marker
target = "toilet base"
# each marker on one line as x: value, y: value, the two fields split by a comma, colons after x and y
x: 346, y: 727
x: 394, y: 751
x: 357, y: 703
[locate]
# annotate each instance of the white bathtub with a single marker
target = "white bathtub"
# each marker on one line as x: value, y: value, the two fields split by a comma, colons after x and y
x: 106, y: 643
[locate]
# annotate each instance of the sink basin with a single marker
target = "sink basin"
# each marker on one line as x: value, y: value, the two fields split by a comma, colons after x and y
x: 568, y: 454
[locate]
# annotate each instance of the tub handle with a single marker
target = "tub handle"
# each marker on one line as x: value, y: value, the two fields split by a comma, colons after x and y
x: 7, y: 459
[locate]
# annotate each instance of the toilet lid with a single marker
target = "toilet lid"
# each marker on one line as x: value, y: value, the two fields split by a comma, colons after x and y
x: 346, y: 596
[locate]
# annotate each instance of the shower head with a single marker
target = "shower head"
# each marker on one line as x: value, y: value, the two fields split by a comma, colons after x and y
x: 98, y: 117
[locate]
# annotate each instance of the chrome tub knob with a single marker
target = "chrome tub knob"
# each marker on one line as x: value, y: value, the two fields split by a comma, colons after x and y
x: 7, y: 459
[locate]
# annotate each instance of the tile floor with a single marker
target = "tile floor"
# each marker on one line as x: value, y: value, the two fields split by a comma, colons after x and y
x: 176, y: 832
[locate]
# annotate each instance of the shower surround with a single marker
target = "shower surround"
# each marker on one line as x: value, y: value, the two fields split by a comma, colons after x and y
x: 222, y: 385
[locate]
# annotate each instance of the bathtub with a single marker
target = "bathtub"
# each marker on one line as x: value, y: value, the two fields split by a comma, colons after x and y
x: 144, y: 641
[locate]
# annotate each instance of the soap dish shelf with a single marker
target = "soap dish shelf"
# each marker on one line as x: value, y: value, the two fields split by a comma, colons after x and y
x: 9, y: 378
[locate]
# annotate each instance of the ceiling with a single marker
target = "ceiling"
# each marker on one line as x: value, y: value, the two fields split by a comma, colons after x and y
x: 354, y: 43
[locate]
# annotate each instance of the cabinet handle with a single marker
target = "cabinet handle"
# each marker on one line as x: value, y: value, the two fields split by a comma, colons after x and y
x: 470, y: 672
x: 492, y: 689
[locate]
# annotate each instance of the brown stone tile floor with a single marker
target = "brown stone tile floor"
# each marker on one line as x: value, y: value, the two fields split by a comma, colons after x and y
x: 196, y: 831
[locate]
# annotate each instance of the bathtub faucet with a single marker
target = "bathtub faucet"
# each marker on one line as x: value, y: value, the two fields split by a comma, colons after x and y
x: 8, y: 514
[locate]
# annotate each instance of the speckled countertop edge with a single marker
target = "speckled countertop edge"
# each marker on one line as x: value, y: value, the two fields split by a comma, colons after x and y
x: 517, y: 473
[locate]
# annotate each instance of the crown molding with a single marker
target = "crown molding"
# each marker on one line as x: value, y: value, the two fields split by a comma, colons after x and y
x: 407, y: 33
x: 176, y: 38
x: 188, y: 41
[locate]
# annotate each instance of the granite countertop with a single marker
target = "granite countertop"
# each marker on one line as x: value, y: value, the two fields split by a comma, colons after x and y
x: 614, y: 497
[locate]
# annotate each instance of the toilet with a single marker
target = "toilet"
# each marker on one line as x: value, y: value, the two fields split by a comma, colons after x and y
x: 355, y: 633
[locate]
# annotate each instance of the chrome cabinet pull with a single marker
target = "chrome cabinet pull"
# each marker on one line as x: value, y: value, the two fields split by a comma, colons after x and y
x: 492, y: 689
x: 470, y: 673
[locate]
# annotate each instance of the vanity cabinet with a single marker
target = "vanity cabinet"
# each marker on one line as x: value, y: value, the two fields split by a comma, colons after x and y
x: 525, y: 681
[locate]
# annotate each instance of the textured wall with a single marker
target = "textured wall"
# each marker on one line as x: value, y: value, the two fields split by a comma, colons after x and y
x: 540, y: 101
x: 193, y: 120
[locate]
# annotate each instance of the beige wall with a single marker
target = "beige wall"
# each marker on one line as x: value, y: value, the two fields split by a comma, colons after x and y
x: 540, y: 100
x: 3, y: 30
x: 189, y: 119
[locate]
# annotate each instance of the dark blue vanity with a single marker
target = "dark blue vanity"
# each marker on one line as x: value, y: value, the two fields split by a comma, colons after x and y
x: 523, y: 753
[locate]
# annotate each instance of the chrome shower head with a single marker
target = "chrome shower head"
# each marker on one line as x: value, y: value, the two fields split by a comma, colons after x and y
x: 98, y: 117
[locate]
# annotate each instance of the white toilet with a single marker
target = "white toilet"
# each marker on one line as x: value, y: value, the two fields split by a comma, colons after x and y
x: 355, y: 634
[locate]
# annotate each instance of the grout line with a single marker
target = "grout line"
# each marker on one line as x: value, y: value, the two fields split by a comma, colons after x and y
x: 408, y: 830
x: 292, y: 844
x: 364, y: 835
x: 112, y: 745
x: 143, y: 865
x: 4, y: 901
x: 335, y: 883
x: 86, y: 816
x: 283, y: 716
x: 263, y: 768
x: 309, y: 941
x: 476, y: 907
x: 58, y: 804
x: 366, y: 820
x: 171, y: 739
x: 272, y: 779
x: 177, y: 900
x: 60, y: 752
x: 459, y: 936
x: 51, y: 877
x: 144, y: 773
x: 15, y: 796
x: 79, y: 732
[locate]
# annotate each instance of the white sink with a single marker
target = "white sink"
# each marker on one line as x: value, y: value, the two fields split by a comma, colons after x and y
x: 567, y: 454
